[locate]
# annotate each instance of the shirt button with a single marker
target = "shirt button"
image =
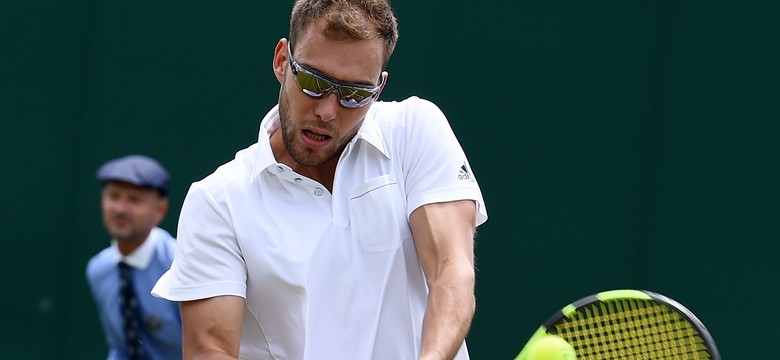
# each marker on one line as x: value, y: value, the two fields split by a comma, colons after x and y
x: 297, y: 180
x: 318, y: 191
x: 279, y: 169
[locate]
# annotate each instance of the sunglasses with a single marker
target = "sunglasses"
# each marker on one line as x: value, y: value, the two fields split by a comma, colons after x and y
x: 319, y: 85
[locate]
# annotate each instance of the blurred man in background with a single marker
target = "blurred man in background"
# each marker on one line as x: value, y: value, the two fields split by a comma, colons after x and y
x: 134, y: 201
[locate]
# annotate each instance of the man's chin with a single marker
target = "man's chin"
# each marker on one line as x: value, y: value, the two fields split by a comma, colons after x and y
x: 121, y: 235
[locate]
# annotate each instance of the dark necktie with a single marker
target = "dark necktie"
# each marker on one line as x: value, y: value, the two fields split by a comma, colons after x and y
x: 130, y: 313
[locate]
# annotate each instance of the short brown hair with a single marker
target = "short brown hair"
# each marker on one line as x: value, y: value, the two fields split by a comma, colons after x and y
x: 348, y: 19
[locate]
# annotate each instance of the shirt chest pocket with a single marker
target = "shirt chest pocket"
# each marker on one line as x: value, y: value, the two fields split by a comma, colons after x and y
x: 377, y: 214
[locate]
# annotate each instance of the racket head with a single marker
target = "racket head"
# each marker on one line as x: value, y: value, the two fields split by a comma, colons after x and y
x: 629, y: 324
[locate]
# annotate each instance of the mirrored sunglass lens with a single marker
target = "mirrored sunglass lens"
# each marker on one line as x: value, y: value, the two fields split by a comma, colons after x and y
x: 312, y: 85
x: 355, y: 93
x: 354, y: 97
x: 352, y: 103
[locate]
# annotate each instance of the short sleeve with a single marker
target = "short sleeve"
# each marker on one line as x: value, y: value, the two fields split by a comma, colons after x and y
x: 208, y: 260
x: 435, y: 166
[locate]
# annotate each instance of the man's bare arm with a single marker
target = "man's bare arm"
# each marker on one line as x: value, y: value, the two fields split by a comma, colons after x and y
x: 444, y: 238
x: 212, y: 327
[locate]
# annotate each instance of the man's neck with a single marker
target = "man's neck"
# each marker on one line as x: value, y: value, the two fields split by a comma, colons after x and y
x: 127, y: 246
x: 324, y: 173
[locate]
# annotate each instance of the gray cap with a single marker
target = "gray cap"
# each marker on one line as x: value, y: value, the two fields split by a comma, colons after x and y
x: 138, y: 170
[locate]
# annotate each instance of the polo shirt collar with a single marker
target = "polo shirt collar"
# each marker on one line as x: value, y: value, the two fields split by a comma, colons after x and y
x: 265, y: 156
x: 368, y: 132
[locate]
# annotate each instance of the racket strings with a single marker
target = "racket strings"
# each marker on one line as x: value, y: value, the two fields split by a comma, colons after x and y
x: 631, y: 329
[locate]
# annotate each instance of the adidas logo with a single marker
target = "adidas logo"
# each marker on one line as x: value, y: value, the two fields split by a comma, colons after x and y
x: 463, y: 174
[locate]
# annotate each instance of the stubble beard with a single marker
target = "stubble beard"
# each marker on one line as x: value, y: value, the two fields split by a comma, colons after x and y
x: 305, y: 155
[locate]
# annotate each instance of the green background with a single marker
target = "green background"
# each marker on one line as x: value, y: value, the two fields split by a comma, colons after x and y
x: 620, y: 144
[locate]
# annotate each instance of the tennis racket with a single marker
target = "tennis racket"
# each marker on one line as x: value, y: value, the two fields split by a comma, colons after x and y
x: 628, y: 324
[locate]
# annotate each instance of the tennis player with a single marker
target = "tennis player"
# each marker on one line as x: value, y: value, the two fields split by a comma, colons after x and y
x: 346, y: 231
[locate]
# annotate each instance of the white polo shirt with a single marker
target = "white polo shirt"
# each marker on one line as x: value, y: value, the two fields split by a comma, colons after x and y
x: 325, y: 276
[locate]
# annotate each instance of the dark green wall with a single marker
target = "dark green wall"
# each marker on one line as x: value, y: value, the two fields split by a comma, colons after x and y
x: 618, y: 144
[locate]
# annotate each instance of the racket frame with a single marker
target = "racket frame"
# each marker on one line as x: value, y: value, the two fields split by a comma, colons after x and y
x: 621, y: 294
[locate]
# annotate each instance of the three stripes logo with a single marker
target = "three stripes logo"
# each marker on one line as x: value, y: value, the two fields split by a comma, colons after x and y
x: 464, y: 173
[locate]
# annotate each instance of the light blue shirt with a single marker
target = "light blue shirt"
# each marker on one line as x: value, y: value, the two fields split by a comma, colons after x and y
x: 162, y: 333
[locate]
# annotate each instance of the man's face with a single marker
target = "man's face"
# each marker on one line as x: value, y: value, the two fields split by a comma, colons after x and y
x: 316, y: 130
x: 131, y: 212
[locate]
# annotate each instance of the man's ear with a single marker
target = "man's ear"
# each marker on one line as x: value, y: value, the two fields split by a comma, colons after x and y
x: 162, y: 209
x: 280, y: 59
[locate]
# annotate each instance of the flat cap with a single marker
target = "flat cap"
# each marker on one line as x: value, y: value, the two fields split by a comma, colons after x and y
x: 138, y: 170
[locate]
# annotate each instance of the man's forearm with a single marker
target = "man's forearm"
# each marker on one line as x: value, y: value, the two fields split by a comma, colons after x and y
x: 447, y: 320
